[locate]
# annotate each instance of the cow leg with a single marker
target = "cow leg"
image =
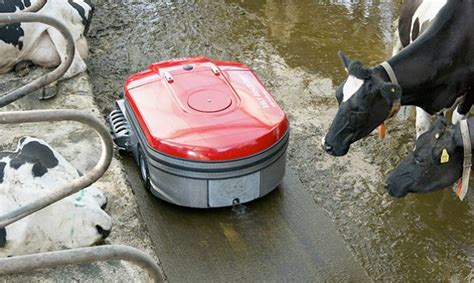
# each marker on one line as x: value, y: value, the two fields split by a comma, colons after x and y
x: 423, y: 121
x: 462, y: 110
x: 78, y: 65
x: 48, y: 91
x: 82, y: 47
x: 22, y: 68
x: 46, y: 56
x: 457, y: 116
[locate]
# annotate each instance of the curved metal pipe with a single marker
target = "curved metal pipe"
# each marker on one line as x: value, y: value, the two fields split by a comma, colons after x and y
x: 27, y: 263
x: 11, y: 18
x: 76, y: 185
x: 38, y: 5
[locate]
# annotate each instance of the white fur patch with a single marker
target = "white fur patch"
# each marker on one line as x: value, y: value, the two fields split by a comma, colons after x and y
x: 427, y: 11
x: 423, y: 121
x: 351, y: 86
x: 457, y: 117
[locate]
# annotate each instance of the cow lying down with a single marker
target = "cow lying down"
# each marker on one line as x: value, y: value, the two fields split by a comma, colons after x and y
x: 34, y: 170
x: 435, y: 164
x: 41, y: 44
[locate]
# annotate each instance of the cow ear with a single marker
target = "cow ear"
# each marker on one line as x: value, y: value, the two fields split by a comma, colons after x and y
x: 345, y: 61
x: 356, y: 69
x: 391, y: 92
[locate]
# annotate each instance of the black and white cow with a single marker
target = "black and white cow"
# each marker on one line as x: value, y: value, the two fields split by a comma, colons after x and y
x: 41, y: 44
x: 433, y: 72
x: 415, y: 18
x: 32, y: 171
x: 424, y: 169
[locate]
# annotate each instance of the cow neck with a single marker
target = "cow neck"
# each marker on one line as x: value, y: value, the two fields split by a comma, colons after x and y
x: 385, y: 72
x: 417, y: 65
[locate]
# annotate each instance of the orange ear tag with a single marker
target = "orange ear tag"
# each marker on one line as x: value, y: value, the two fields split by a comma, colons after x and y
x: 459, y: 188
x: 381, y: 129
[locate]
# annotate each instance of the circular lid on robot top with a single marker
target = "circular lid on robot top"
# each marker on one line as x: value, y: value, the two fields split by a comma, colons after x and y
x: 209, y: 101
x: 214, y: 111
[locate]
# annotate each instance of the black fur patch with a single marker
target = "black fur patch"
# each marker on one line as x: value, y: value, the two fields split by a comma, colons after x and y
x: 86, y: 21
x: 407, y: 12
x: 416, y: 30
x: 2, y: 171
x: 356, y: 69
x: 10, y: 6
x: 3, y: 237
x: 466, y: 105
x: 37, y: 154
x: 11, y: 34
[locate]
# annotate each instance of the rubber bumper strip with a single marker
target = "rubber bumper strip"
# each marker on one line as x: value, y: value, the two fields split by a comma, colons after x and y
x: 208, y: 169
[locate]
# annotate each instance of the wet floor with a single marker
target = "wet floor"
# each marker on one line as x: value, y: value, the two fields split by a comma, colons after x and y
x: 292, y: 46
x: 283, y: 237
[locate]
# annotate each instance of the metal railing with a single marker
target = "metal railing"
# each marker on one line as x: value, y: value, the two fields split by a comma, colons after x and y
x: 20, y: 264
x: 27, y: 263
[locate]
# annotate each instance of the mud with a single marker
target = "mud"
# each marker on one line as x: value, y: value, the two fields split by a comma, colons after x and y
x: 292, y: 46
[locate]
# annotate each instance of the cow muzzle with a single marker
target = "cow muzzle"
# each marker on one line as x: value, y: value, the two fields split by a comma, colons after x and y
x: 104, y: 233
x: 398, y: 186
x: 339, y: 149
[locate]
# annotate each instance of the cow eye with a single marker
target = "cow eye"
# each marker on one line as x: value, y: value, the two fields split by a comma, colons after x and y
x: 419, y: 160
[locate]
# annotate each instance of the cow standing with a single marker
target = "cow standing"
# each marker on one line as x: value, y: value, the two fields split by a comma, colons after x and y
x: 415, y: 18
x: 41, y: 44
x: 433, y: 72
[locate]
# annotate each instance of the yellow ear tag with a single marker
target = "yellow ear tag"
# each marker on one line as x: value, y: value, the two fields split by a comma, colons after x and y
x: 444, y: 156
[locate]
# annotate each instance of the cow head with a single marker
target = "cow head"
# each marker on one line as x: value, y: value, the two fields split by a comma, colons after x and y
x: 436, y: 163
x: 365, y: 101
x: 33, y: 171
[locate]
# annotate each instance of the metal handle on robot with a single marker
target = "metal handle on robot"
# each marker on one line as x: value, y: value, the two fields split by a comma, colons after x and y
x: 19, y: 264
x: 16, y: 117
x: 11, y: 18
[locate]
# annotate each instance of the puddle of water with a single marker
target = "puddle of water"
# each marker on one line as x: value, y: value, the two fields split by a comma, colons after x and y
x: 309, y: 33
x: 292, y: 46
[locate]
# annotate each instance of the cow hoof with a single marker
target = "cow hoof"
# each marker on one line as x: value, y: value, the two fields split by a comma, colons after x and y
x: 22, y: 69
x: 48, y: 92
